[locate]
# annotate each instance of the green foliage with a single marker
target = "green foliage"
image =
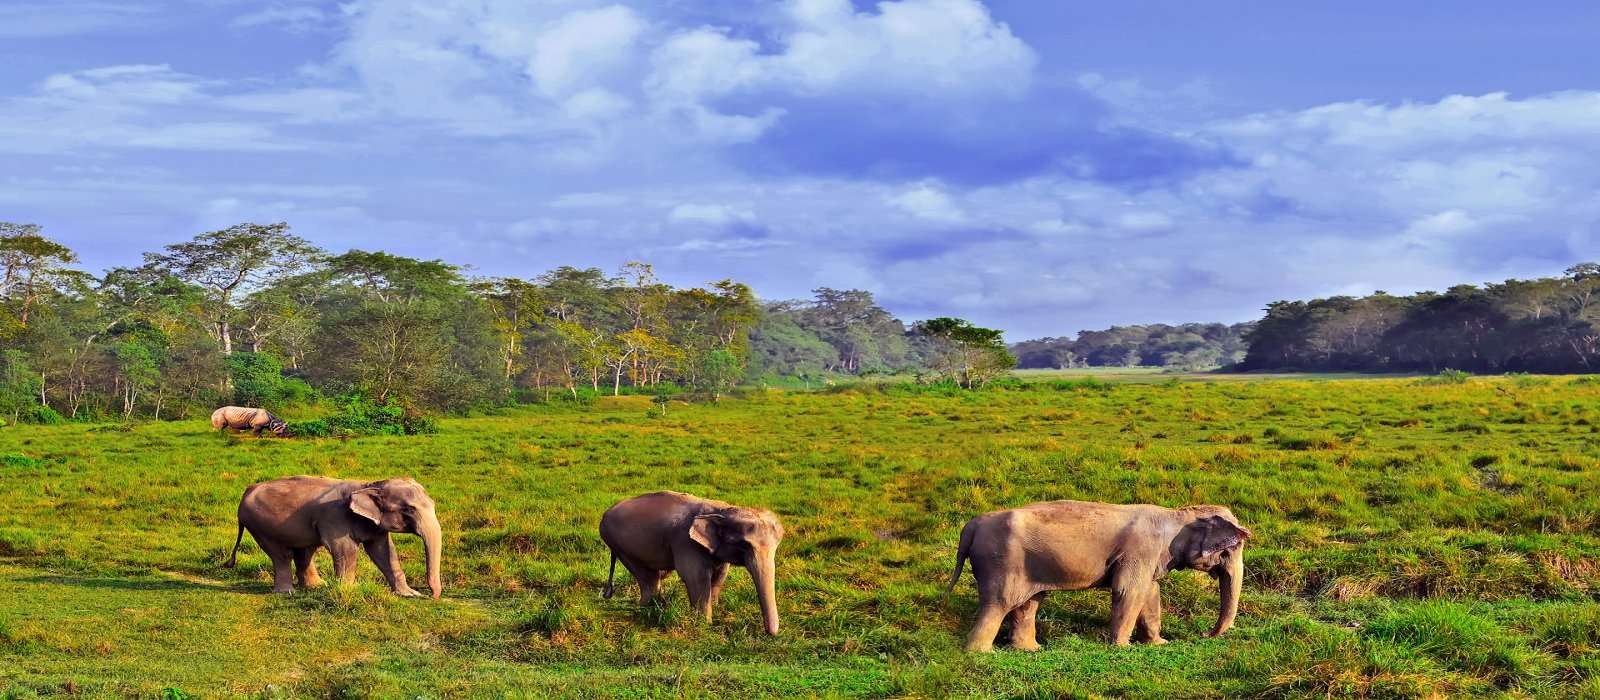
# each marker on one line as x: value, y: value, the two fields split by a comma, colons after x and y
x: 1549, y: 324
x: 1446, y: 377
x: 258, y: 381
x: 358, y: 415
x: 1187, y: 347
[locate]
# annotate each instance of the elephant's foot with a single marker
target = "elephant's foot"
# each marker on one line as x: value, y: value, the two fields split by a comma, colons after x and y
x: 1155, y: 642
x: 407, y: 592
x: 1025, y: 645
x: 980, y: 647
x: 284, y: 588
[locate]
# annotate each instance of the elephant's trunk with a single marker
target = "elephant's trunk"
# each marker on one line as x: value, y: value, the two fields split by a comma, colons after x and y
x: 428, y: 528
x: 1231, y: 581
x: 763, y: 569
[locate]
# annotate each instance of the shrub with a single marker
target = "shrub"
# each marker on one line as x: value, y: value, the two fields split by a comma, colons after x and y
x: 1446, y: 376
x: 258, y: 381
x: 310, y: 428
x: 42, y: 415
x: 359, y: 415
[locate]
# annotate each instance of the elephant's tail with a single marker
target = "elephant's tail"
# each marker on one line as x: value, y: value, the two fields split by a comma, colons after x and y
x: 233, y: 557
x: 611, y: 577
x: 961, y: 555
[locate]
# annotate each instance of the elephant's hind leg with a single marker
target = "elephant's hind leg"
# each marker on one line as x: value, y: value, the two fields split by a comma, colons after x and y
x: 649, y: 579
x: 986, y: 626
x: 282, y: 565
x: 1148, y: 629
x: 1024, y: 619
x: 305, y: 565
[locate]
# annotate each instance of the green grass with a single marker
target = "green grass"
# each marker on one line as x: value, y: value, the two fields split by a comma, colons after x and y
x: 1411, y: 540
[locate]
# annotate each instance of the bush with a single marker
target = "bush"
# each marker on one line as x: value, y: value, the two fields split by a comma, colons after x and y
x: 42, y: 415
x: 1446, y: 376
x: 258, y: 381
x: 310, y: 428
x: 359, y: 415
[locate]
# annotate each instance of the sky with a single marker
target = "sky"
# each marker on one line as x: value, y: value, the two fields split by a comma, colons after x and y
x: 1040, y: 166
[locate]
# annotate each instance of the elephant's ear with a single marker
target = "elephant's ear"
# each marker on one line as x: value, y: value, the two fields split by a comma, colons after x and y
x: 365, y: 504
x: 1222, y: 535
x: 703, y: 530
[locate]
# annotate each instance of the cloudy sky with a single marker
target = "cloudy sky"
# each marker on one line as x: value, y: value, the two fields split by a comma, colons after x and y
x: 1036, y: 165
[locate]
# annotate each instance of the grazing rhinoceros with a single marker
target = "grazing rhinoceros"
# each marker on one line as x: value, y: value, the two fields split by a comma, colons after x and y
x: 252, y: 419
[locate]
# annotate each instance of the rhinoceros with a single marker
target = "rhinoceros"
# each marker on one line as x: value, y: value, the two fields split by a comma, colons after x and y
x: 254, y: 420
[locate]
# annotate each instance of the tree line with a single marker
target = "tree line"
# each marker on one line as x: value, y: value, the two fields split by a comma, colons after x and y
x: 254, y: 314
x: 1189, y: 346
x: 1549, y: 324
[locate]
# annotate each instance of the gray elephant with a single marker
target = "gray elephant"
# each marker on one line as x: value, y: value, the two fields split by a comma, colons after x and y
x: 1018, y: 555
x: 254, y: 420
x: 666, y: 531
x: 291, y: 518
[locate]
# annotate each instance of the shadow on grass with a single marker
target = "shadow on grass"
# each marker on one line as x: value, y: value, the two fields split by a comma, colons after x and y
x: 141, y: 584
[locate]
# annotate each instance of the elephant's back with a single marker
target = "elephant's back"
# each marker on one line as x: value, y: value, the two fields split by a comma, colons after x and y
x: 660, y: 510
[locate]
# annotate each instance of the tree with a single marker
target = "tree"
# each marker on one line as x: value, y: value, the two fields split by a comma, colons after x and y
x: 233, y: 261
x: 967, y: 354
x: 30, y: 264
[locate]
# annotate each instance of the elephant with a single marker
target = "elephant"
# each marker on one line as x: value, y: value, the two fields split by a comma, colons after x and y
x: 1019, y: 555
x: 252, y: 419
x: 665, y: 531
x: 291, y: 518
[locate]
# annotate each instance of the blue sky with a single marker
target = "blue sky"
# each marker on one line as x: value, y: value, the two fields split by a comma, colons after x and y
x: 1038, y: 166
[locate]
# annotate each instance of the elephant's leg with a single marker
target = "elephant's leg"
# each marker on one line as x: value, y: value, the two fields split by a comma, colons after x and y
x: 282, y: 565
x: 383, y: 553
x: 696, y: 570
x: 344, y: 553
x: 1129, y: 590
x: 305, y: 567
x: 1148, y: 629
x: 719, y: 576
x: 986, y: 626
x: 649, y: 579
x: 1024, y: 618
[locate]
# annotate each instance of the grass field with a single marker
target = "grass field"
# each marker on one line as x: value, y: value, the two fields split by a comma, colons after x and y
x: 1412, y: 540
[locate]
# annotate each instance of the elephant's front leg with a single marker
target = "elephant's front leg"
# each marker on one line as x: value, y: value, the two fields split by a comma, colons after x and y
x: 305, y: 565
x: 719, y: 577
x: 344, y: 552
x: 383, y: 553
x: 697, y: 572
x: 1130, y: 588
x: 1149, y: 627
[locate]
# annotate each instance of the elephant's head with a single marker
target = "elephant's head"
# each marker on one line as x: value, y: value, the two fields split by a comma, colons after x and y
x: 401, y: 505
x: 1213, y: 542
x: 748, y: 537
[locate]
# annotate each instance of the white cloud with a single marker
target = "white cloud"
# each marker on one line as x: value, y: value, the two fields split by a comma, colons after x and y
x: 927, y: 201
x: 715, y: 214
x: 291, y: 18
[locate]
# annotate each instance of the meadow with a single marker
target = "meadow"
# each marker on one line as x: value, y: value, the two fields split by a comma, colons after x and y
x: 1414, y: 538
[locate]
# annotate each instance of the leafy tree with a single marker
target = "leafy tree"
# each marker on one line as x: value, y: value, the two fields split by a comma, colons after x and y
x: 233, y: 261
x: 964, y: 353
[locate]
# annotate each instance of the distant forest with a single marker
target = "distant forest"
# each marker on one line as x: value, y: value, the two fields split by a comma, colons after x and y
x: 255, y: 315
x: 1550, y: 324
x: 1190, y: 346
